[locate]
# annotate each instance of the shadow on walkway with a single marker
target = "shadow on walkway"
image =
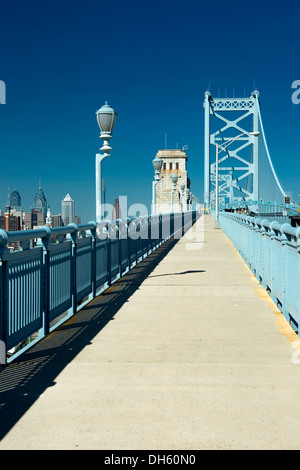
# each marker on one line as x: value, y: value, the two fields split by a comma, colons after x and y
x: 179, y: 274
x: 24, y: 380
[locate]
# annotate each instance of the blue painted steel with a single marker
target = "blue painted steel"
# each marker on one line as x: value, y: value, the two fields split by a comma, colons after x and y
x: 101, y: 262
x: 58, y: 270
x: 263, y: 208
x: 60, y: 292
x: 272, y: 251
x: 83, y: 268
x: 23, y: 284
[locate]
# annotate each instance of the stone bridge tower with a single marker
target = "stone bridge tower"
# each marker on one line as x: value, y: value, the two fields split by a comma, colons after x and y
x: 174, y: 162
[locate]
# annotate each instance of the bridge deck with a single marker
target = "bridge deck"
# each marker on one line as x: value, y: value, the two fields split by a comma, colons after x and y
x: 189, y: 355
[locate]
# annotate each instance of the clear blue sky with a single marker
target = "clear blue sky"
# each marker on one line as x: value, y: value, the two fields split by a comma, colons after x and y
x: 152, y: 62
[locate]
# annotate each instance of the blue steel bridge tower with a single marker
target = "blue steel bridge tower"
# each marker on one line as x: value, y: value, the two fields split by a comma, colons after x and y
x: 245, y: 170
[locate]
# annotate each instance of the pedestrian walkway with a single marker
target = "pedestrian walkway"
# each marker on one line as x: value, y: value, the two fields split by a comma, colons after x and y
x: 189, y: 355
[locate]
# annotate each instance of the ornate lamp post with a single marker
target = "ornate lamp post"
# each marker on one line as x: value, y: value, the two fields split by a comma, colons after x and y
x: 191, y: 200
x: 157, y: 164
x: 182, y: 188
x: 188, y: 198
x: 106, y: 118
x: 174, y: 179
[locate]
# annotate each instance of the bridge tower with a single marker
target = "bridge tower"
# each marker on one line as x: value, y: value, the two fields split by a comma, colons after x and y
x: 225, y: 119
x: 174, y: 162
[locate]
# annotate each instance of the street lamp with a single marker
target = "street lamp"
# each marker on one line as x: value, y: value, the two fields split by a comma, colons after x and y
x: 106, y: 118
x: 188, y: 198
x: 223, y: 147
x: 174, y: 179
x: 157, y: 164
x: 191, y: 200
x: 182, y: 187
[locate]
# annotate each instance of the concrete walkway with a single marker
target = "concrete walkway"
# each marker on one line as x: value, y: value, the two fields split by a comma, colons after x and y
x: 197, y: 357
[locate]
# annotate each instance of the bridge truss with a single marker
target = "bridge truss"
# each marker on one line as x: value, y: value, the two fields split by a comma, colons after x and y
x: 245, y: 169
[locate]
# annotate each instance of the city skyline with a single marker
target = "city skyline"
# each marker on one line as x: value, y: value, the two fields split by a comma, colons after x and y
x: 16, y: 217
x: 15, y: 191
x: 154, y: 73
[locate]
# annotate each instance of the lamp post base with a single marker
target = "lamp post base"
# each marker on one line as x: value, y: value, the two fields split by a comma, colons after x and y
x: 217, y: 224
x: 99, y: 209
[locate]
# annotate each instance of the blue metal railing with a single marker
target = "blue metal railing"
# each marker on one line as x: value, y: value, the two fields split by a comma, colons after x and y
x: 261, y: 207
x: 272, y: 252
x: 55, y: 272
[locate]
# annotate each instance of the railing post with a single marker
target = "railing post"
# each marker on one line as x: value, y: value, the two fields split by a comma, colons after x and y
x: 73, y: 237
x: 2, y: 317
x: 126, y: 225
x: 45, y: 279
x: 108, y: 227
x: 284, y: 272
x: 3, y: 248
x: 298, y: 269
x: 119, y: 237
x: 149, y: 246
x: 160, y: 229
x: 145, y: 237
x: 93, y: 258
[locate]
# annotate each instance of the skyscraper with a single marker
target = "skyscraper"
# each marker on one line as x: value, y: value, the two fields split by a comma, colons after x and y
x: 116, y: 213
x: 67, y: 210
x: 40, y: 201
x: 16, y: 208
x: 15, y: 200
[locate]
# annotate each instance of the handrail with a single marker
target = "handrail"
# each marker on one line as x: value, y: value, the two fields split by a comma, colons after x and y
x: 272, y: 252
x: 58, y: 270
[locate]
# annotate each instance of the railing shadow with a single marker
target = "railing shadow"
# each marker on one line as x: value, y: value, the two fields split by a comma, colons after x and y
x: 23, y: 381
x: 178, y: 274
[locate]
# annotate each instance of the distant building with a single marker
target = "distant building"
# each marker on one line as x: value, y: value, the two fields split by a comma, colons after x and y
x: 57, y: 220
x: 10, y: 222
x: 49, y: 218
x: 33, y: 219
x: 67, y: 210
x: 16, y: 208
x: 77, y: 219
x: 15, y: 200
x: 12, y: 218
x: 174, y: 162
x: 40, y: 202
x: 116, y: 213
